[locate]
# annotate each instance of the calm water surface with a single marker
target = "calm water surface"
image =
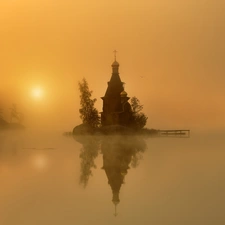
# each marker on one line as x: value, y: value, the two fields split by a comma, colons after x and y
x: 46, y: 179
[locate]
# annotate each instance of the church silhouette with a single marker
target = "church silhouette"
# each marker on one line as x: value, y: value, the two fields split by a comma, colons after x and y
x: 116, y: 108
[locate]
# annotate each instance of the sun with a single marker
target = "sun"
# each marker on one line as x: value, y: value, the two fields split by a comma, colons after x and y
x: 37, y: 92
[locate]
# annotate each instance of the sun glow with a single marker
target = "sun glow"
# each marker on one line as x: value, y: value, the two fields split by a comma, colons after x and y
x: 40, y: 162
x: 37, y: 93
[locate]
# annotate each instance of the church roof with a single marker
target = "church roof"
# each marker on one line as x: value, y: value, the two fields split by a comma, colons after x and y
x: 115, y: 85
x: 115, y: 63
x: 123, y: 94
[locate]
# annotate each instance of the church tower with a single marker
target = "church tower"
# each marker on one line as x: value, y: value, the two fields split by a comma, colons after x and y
x: 113, y: 100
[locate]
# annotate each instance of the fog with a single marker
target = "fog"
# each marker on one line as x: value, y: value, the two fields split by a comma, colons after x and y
x: 170, y: 53
x: 47, y: 178
x: 171, y: 56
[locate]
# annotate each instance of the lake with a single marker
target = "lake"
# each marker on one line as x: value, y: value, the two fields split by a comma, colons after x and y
x: 46, y: 178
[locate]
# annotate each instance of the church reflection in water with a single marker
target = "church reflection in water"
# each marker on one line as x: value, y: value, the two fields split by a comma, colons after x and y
x: 120, y: 152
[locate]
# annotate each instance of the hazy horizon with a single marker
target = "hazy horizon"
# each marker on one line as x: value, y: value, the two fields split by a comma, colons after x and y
x: 171, y: 57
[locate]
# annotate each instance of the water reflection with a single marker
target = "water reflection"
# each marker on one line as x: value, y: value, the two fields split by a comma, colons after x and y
x: 119, y: 154
x: 10, y: 143
x: 88, y: 153
x: 178, y: 180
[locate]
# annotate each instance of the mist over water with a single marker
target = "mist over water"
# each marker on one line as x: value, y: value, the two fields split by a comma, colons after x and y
x: 171, y: 56
x: 49, y: 179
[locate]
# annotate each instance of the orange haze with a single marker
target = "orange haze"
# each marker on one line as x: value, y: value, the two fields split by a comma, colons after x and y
x: 171, y: 56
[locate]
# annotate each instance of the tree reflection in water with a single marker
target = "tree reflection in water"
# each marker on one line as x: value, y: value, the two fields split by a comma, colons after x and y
x: 10, y: 144
x: 88, y: 153
x: 119, y: 153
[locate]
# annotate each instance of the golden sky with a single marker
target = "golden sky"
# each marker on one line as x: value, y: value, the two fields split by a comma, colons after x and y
x: 171, y: 56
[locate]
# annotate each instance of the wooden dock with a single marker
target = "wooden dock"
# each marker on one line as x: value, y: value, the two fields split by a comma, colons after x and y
x: 174, y: 133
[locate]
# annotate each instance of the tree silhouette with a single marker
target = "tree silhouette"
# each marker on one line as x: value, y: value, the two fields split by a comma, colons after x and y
x: 15, y: 114
x: 139, y: 119
x: 88, y: 113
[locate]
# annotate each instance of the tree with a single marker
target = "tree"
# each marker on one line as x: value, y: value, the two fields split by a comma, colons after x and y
x: 139, y: 119
x: 88, y: 113
x: 15, y: 114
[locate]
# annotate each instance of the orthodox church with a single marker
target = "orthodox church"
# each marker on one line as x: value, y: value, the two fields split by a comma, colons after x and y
x: 116, y: 108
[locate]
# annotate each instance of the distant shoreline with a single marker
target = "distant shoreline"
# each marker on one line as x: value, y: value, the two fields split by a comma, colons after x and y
x: 4, y: 125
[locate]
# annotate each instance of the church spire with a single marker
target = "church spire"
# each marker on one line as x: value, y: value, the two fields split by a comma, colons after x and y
x: 115, y: 54
x: 115, y: 214
x: 115, y: 201
x: 115, y: 65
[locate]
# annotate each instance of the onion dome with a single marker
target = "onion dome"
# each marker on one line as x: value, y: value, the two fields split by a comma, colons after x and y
x: 115, y: 63
x: 116, y: 199
x: 123, y: 94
